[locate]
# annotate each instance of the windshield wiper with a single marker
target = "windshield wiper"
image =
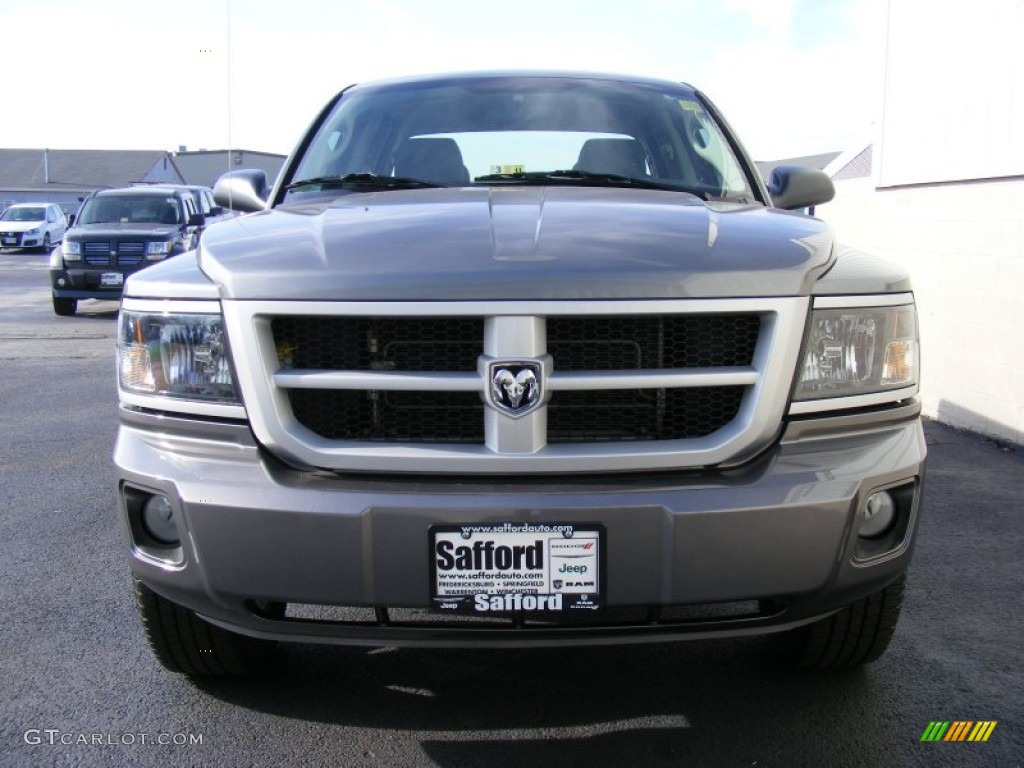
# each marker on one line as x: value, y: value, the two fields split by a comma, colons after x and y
x: 362, y: 180
x: 589, y: 178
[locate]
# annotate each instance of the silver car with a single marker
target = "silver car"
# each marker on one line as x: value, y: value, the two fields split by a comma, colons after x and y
x: 32, y: 225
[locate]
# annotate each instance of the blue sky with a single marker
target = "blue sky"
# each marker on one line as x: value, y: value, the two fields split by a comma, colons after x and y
x: 792, y: 76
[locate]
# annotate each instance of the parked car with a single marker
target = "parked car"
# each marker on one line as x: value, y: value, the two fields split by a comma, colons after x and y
x: 208, y: 206
x: 32, y: 225
x: 518, y: 360
x: 205, y: 204
x: 116, y: 233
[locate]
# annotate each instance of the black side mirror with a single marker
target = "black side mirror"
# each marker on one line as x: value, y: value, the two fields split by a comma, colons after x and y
x: 197, y: 220
x: 793, y: 187
x: 216, y: 210
x: 242, y: 190
x: 71, y: 220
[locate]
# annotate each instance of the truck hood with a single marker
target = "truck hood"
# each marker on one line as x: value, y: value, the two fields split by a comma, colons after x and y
x: 113, y: 229
x: 515, y: 243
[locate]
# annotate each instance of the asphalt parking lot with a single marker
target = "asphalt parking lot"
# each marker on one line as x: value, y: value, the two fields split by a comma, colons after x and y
x: 80, y: 687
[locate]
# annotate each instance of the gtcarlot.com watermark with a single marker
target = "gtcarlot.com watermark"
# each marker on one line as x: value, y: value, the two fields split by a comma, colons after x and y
x: 56, y: 737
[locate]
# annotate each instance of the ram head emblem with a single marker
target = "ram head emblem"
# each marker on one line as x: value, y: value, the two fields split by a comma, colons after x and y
x: 515, y: 387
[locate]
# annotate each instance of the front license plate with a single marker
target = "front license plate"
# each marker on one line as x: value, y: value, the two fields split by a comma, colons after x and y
x: 517, y: 567
x: 10, y: 241
x: 111, y: 280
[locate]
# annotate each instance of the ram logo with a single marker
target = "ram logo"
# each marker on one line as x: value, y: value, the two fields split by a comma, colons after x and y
x: 515, y: 387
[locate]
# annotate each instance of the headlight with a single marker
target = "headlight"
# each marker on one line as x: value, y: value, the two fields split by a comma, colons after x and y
x: 72, y: 250
x: 158, y: 249
x: 34, y: 231
x: 859, y: 351
x: 175, y: 355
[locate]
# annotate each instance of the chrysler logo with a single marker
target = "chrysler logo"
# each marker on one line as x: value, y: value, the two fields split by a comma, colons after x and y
x: 515, y: 387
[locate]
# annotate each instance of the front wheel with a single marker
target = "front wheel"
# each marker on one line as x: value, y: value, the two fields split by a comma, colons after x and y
x: 184, y: 643
x: 63, y: 306
x: 47, y: 245
x: 858, y: 634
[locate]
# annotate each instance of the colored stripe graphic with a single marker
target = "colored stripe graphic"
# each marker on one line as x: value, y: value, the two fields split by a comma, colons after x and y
x: 935, y: 731
x: 958, y: 730
x: 982, y: 730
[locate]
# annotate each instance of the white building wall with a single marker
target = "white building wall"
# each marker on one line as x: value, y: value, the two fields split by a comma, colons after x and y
x: 953, y: 92
x: 945, y: 200
x: 963, y: 244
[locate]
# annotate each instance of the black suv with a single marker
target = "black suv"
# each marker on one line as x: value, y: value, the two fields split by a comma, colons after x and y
x: 117, y: 232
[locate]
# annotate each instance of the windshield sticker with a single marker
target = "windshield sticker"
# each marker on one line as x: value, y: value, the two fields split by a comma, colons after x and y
x: 504, y: 169
x: 691, y: 106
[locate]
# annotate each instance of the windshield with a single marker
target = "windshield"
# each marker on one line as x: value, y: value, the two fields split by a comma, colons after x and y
x: 518, y: 130
x: 131, y: 209
x: 23, y: 214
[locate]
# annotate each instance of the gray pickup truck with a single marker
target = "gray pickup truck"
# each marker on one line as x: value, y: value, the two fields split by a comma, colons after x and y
x: 512, y: 360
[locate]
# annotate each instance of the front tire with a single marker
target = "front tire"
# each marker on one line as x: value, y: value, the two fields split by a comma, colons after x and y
x: 47, y: 245
x: 64, y: 307
x: 858, y: 634
x: 184, y: 643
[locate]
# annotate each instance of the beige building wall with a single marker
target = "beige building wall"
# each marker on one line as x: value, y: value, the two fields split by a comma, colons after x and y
x: 963, y: 244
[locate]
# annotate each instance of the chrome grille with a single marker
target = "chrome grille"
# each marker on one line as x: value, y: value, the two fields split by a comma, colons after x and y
x: 97, y: 253
x: 130, y: 252
x: 575, y: 343
x: 405, y: 386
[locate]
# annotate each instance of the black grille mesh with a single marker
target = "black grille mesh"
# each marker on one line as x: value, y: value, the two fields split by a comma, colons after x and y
x: 640, y: 414
x: 609, y: 343
x: 379, y: 343
x: 647, y: 342
x: 399, y: 417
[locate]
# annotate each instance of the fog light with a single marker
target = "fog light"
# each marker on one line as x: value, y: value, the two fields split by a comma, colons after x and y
x: 61, y: 282
x: 158, y: 520
x: 879, y: 514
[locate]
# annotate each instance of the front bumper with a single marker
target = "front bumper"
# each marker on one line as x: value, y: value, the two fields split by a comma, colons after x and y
x: 78, y: 283
x: 19, y: 240
x: 777, y: 536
